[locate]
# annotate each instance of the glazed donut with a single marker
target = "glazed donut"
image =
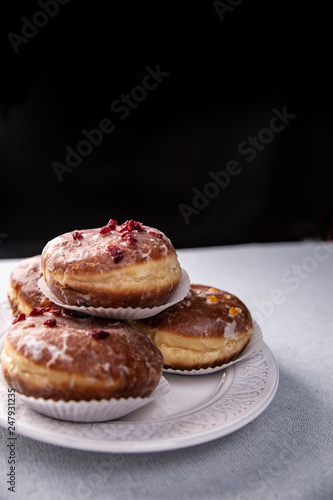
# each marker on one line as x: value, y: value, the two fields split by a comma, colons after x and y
x: 23, y: 291
x: 208, y: 328
x: 53, y: 355
x: 127, y: 265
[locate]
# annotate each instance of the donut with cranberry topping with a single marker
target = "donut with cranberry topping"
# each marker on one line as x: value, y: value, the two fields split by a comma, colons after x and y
x: 55, y: 354
x: 127, y: 265
x: 208, y: 328
x: 23, y: 291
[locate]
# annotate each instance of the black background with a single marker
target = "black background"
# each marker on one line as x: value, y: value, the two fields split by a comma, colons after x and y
x: 225, y: 74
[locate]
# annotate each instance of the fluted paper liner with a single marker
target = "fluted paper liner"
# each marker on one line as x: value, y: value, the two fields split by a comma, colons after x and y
x: 93, y: 411
x: 121, y: 312
x: 254, y: 344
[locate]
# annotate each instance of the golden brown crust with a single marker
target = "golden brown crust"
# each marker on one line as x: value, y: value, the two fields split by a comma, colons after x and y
x: 111, y: 270
x: 75, y: 358
x: 210, y: 327
x: 23, y: 291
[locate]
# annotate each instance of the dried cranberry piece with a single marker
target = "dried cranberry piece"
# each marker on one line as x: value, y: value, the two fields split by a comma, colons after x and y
x: 122, y: 228
x: 99, y: 334
x: 112, y: 224
x: 117, y: 254
x: 124, y: 233
x: 77, y: 235
x: 73, y: 314
x: 50, y: 322
x: 105, y: 230
x: 37, y: 311
x: 20, y: 317
x: 129, y: 239
x: 130, y: 225
x: 56, y: 312
x: 155, y: 233
x: 133, y: 224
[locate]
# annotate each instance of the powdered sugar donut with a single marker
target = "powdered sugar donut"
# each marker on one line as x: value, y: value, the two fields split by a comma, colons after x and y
x: 208, y: 328
x: 127, y: 265
x: 59, y: 355
x: 23, y: 291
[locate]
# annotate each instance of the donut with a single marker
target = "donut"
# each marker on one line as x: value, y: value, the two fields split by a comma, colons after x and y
x: 53, y: 355
x: 127, y: 265
x: 23, y: 291
x: 208, y: 328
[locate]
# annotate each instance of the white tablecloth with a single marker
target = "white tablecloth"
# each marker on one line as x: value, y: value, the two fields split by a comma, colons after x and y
x: 285, y: 453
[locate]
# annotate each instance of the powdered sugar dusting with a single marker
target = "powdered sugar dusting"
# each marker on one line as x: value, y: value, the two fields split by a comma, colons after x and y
x: 38, y: 349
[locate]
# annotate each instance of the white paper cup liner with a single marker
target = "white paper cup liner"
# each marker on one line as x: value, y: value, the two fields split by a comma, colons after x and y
x: 93, y: 411
x: 254, y: 344
x: 121, y: 312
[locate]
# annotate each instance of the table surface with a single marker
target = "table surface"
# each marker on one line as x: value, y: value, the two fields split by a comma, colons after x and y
x: 285, y: 453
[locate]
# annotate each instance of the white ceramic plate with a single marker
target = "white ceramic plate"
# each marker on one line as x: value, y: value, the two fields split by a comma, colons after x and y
x: 196, y: 410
